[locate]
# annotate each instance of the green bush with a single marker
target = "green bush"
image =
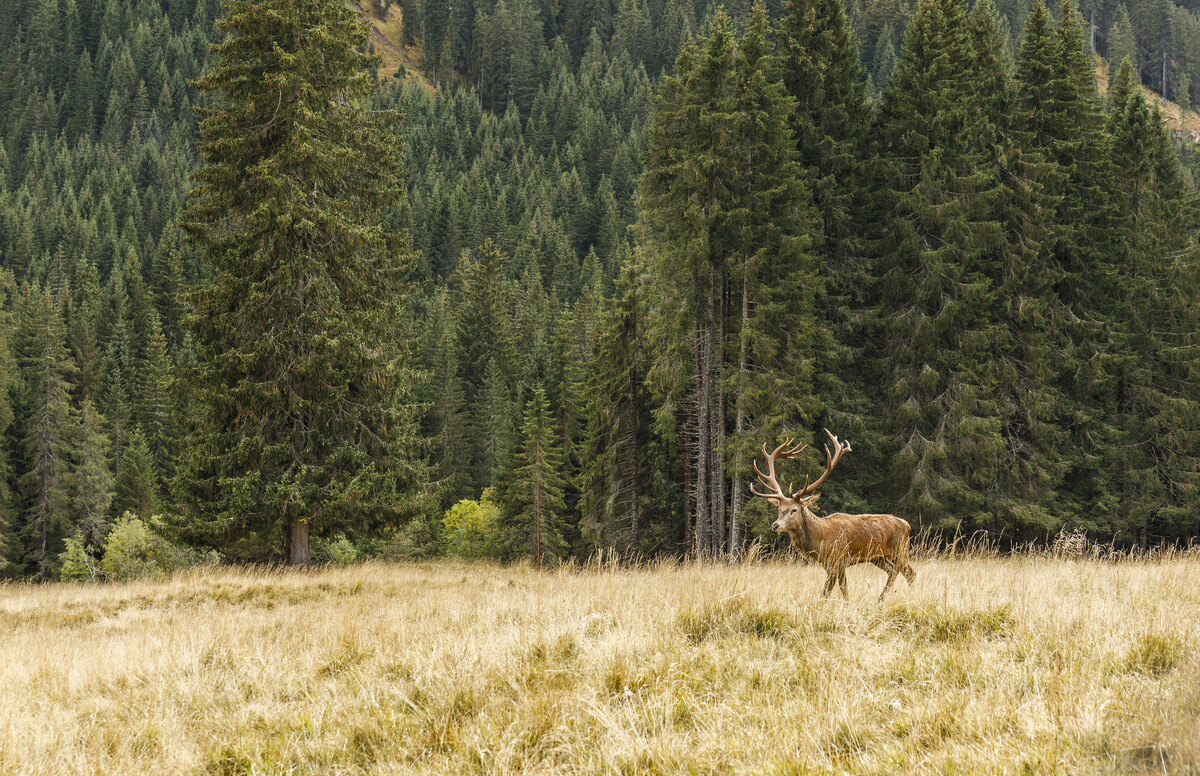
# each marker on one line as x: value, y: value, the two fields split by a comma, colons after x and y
x: 133, y: 551
x: 472, y: 528
x: 337, y: 550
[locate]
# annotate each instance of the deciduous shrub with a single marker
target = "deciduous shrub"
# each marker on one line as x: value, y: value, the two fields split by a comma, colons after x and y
x: 132, y: 550
x: 472, y: 528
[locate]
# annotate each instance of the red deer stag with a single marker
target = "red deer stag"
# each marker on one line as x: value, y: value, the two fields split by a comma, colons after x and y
x: 838, y: 540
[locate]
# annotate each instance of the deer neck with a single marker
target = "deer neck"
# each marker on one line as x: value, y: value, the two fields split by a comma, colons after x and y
x: 811, y: 528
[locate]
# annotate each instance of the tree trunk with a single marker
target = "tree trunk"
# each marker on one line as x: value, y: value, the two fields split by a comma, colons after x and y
x: 704, y: 442
x: 537, y: 526
x: 739, y: 496
x: 1164, y: 74
x: 689, y: 503
x: 297, y: 543
x: 720, y: 503
x: 635, y: 457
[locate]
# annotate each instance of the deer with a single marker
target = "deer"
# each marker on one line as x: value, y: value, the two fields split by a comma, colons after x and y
x: 837, y: 540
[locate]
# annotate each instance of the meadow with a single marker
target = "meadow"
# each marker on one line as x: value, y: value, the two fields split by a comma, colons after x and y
x: 1020, y: 664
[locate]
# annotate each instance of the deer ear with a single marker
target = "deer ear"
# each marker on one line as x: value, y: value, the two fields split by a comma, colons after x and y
x: 775, y: 502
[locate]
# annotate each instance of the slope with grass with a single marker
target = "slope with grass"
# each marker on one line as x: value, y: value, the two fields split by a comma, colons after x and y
x: 985, y: 666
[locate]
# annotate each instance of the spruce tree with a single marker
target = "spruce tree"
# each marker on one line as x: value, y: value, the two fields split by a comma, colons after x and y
x: 10, y: 554
x: 1059, y: 111
x: 49, y: 428
x: 534, y: 493
x: 821, y: 70
x: 303, y: 423
x: 1154, y: 364
x: 726, y: 224
x: 136, y: 485
x: 936, y: 292
x: 92, y: 492
x: 1122, y: 44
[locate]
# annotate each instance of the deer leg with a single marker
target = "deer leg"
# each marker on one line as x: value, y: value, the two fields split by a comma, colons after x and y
x: 842, y: 582
x: 830, y: 581
x: 890, y: 568
x: 909, y: 573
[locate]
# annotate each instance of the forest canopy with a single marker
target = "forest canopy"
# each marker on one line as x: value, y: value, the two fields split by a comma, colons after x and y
x: 582, y: 262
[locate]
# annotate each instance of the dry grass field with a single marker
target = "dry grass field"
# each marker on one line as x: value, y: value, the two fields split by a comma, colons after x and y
x: 986, y: 665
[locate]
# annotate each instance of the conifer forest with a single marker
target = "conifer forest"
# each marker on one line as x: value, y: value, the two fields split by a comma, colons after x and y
x: 308, y: 280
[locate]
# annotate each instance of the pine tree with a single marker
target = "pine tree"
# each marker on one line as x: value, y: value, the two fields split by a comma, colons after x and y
x: 303, y: 421
x: 1154, y: 365
x: 726, y: 224
x: 1122, y: 44
x: 935, y: 296
x: 447, y: 410
x: 10, y: 555
x: 49, y: 426
x: 92, y: 491
x: 1059, y: 109
x: 534, y: 495
x: 137, y: 482
x: 821, y: 69
x: 616, y: 425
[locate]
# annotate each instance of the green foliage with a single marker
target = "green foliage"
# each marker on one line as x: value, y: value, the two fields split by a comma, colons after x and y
x: 75, y: 563
x: 137, y: 479
x: 988, y: 291
x: 133, y: 550
x: 472, y: 528
x: 532, y: 498
x: 337, y: 550
x: 303, y: 414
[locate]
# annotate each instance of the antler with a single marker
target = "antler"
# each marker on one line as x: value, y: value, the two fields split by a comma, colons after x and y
x: 769, y: 480
x: 831, y: 460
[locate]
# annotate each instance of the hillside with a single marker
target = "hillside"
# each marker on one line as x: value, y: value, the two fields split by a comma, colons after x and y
x: 387, y: 27
x: 1182, y: 124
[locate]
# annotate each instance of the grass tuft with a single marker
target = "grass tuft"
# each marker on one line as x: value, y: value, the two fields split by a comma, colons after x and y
x: 1154, y: 654
x: 734, y: 616
x: 939, y: 624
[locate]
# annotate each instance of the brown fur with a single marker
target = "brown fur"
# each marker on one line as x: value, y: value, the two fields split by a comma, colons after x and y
x: 840, y: 540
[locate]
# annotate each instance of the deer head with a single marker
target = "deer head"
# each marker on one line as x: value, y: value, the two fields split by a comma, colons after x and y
x: 791, y: 508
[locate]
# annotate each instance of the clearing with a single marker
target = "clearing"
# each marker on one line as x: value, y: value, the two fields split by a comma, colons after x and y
x: 985, y: 665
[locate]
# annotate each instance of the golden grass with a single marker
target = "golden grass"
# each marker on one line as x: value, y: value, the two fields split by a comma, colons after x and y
x: 987, y: 665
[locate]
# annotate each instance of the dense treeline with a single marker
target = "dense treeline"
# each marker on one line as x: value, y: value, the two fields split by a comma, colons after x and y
x: 943, y: 245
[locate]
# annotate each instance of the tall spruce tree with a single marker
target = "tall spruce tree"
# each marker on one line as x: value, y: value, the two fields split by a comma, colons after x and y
x: 49, y: 428
x: 1155, y: 362
x: 10, y: 554
x: 303, y: 423
x: 92, y: 490
x: 726, y: 225
x: 533, y: 497
x: 1059, y: 110
x: 936, y: 292
x: 821, y: 70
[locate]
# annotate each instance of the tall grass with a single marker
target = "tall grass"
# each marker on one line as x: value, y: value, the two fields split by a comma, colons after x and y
x: 1029, y: 663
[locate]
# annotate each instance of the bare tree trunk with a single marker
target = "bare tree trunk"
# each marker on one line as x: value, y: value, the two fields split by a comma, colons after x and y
x: 634, y: 462
x: 297, y: 550
x: 1092, y: 26
x: 1164, y: 72
x: 537, y: 525
x: 739, y: 496
x: 688, y: 483
x: 704, y: 443
x: 720, y: 504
